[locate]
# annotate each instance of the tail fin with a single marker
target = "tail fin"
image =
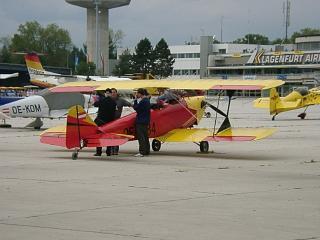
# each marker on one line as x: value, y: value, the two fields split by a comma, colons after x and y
x: 274, y: 101
x: 79, y: 126
x: 33, y: 63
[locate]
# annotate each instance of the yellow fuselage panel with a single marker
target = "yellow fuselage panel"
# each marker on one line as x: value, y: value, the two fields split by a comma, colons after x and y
x: 292, y: 97
x: 196, y: 103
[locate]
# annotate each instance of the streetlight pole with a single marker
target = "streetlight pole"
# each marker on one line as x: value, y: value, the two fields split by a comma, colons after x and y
x: 97, y: 2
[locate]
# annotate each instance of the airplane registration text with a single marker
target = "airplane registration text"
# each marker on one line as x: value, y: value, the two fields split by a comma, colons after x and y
x: 26, y: 109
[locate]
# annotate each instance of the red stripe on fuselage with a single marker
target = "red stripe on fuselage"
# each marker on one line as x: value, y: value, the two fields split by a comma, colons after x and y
x: 162, y: 121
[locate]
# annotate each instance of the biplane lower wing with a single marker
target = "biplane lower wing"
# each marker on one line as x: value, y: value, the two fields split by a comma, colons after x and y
x: 229, y: 134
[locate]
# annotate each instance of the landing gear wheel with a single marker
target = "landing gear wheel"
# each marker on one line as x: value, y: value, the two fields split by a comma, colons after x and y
x: 302, y: 115
x: 208, y: 115
x: 204, y: 146
x: 74, y: 155
x: 156, y: 145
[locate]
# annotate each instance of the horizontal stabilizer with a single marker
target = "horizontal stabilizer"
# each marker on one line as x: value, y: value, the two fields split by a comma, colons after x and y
x: 57, y: 136
x: 99, y: 140
x: 53, y: 138
x: 107, y: 139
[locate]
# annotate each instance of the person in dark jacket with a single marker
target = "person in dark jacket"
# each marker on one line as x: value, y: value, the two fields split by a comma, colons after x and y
x: 106, y: 112
x: 121, y: 102
x: 142, y: 107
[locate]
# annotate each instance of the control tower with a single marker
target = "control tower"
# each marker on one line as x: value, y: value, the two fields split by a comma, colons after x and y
x: 98, y: 29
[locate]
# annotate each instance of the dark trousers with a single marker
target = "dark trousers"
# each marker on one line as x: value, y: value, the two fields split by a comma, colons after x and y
x: 143, y: 138
x: 108, y: 150
x: 99, y: 122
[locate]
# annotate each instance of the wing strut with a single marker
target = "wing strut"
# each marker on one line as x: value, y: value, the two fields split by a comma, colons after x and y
x: 226, y: 123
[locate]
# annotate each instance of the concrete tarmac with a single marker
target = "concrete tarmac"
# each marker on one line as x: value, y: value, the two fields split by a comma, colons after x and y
x: 268, y: 189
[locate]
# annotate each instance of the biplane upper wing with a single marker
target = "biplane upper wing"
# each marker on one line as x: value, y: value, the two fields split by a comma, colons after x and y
x: 201, y: 84
x: 203, y: 134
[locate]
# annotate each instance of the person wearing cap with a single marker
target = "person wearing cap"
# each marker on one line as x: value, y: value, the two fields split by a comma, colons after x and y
x: 121, y: 102
x: 142, y: 107
x: 106, y: 113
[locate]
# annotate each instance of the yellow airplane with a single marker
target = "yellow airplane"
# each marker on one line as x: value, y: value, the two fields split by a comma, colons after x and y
x: 298, y: 98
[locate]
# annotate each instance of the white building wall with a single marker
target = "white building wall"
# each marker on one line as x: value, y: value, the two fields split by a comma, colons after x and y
x: 187, y: 61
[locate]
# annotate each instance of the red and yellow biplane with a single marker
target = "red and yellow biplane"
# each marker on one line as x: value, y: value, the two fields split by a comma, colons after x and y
x: 172, y: 122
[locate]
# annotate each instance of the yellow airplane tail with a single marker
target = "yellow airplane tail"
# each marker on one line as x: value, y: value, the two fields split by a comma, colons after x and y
x: 274, y: 101
x: 33, y: 63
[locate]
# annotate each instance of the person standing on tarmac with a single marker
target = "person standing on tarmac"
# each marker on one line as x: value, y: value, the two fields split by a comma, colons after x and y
x: 142, y: 107
x: 106, y: 113
x: 121, y: 102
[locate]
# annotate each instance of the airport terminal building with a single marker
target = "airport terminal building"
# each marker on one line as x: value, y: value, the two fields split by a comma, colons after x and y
x: 297, y: 64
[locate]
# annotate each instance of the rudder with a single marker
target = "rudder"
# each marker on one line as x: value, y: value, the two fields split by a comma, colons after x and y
x: 33, y: 63
x: 79, y: 126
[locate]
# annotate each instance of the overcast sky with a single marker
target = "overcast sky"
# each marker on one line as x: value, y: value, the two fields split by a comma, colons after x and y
x: 176, y: 21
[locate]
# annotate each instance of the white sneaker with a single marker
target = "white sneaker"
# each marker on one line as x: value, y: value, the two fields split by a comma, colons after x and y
x: 138, y: 155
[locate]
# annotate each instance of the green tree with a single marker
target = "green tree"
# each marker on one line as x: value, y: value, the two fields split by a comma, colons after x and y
x: 163, y: 60
x: 277, y: 41
x: 125, y: 64
x: 253, y: 39
x: 52, y: 40
x: 304, y: 33
x: 86, y: 68
x: 5, y: 55
x: 143, y: 59
x: 56, y: 44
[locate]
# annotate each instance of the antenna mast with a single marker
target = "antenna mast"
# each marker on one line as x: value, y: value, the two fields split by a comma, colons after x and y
x: 286, y: 14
